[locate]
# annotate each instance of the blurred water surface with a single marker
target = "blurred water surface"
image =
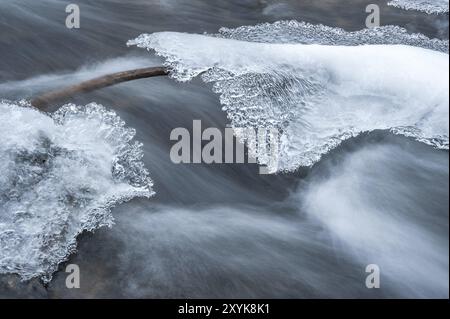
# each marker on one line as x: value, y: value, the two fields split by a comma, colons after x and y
x: 224, y: 230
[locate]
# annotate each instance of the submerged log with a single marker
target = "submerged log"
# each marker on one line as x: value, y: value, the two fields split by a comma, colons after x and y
x: 43, y: 101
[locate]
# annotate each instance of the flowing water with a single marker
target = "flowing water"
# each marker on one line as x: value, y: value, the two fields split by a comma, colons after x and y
x: 365, y: 183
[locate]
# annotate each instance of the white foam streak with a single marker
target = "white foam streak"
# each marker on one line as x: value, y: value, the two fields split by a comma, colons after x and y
x: 365, y: 204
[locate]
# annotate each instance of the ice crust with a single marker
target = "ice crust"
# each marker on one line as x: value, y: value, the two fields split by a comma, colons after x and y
x: 317, y: 85
x: 60, y: 176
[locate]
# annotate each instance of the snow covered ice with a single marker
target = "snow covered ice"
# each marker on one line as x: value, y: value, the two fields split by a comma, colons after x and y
x: 317, y: 85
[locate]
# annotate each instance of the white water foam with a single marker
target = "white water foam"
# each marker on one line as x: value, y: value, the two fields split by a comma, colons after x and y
x: 61, y: 175
x: 318, y: 85
x: 377, y: 204
x: 428, y: 6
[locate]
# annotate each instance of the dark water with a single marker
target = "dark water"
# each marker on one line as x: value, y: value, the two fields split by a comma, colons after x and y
x: 225, y: 230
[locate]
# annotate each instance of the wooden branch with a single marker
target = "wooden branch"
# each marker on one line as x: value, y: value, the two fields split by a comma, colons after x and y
x: 45, y: 100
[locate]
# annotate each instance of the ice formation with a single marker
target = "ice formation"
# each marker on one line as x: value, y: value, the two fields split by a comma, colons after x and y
x: 60, y: 176
x: 428, y: 6
x: 317, y: 85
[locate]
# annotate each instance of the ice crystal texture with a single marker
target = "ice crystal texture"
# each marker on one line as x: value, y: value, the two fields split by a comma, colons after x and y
x: 61, y: 175
x: 317, y: 85
x: 428, y: 6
